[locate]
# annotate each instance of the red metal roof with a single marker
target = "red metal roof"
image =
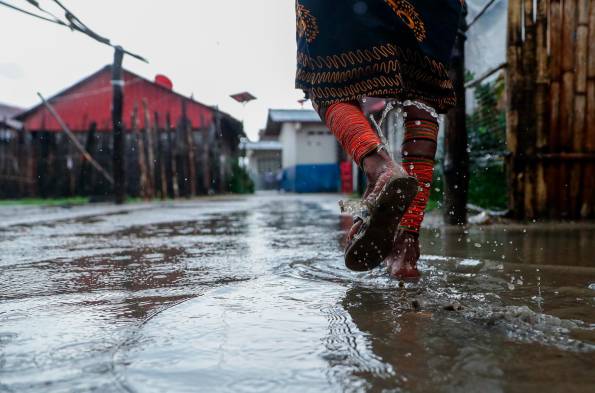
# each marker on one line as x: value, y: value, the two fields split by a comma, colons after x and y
x: 90, y: 99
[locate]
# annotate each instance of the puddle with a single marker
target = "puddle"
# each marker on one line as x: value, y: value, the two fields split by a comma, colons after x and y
x: 251, y: 295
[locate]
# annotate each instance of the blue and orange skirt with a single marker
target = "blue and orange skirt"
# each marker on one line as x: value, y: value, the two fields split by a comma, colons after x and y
x: 349, y: 49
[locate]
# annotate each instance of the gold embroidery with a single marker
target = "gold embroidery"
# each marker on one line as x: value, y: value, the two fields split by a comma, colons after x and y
x: 406, y: 11
x: 373, y: 55
x: 329, y: 96
x: 307, y: 25
x: 356, y: 74
x: 314, y: 77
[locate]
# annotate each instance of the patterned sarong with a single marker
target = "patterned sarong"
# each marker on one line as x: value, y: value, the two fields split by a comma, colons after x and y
x: 348, y: 49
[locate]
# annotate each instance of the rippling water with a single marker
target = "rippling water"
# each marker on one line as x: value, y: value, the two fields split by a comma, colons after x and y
x: 251, y: 295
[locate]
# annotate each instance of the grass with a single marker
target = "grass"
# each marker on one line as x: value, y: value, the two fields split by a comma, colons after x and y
x: 77, y: 200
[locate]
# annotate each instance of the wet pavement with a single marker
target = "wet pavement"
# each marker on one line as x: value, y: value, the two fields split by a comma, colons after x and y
x: 249, y: 294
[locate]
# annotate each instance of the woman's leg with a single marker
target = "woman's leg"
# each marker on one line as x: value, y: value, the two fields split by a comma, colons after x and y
x: 418, y: 150
x: 352, y: 129
x: 389, y: 190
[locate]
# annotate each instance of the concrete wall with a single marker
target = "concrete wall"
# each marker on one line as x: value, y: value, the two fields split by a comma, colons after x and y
x: 316, y: 145
x: 288, y: 139
x: 310, y: 158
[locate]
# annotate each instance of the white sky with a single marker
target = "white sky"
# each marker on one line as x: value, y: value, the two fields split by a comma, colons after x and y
x: 212, y: 48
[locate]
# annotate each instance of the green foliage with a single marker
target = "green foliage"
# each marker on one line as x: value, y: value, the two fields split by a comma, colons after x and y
x: 486, y: 128
x: 240, y: 182
x: 45, y: 202
x: 487, y: 186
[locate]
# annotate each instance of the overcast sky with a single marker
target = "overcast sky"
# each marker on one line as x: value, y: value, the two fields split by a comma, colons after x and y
x: 209, y: 48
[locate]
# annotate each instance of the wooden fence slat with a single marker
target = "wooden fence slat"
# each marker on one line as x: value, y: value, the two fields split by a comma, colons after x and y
x: 172, y: 141
x: 150, y: 151
x: 582, y: 54
x: 555, y: 37
x: 577, y: 168
x: 160, y: 157
x: 569, y: 20
x: 591, y: 39
x: 140, y: 147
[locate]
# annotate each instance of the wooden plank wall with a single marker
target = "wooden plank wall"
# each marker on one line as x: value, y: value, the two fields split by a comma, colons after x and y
x: 551, y: 108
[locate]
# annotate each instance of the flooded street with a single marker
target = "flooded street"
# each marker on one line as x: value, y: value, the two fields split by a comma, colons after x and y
x: 250, y: 294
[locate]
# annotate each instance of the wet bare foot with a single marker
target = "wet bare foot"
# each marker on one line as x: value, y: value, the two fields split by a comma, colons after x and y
x: 402, y: 261
x: 379, y: 168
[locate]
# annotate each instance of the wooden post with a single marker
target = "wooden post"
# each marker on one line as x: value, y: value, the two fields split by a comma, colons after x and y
x: 587, y: 16
x: 86, y: 176
x: 150, y: 152
x: 160, y: 158
x: 527, y: 131
x: 554, y: 172
x: 173, y: 152
x: 143, y: 186
x: 579, y: 134
x: 118, y: 132
x: 514, y: 107
x: 541, y: 95
x: 187, y: 129
x: 22, y: 157
x: 567, y: 92
x: 206, y: 161
x: 456, y: 157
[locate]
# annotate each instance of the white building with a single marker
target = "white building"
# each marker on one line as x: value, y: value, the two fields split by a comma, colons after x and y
x: 310, y: 153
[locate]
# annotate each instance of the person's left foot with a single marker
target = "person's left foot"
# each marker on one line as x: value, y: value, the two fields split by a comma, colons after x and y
x: 402, y: 261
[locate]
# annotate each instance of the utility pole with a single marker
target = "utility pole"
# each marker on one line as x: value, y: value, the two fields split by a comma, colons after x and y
x: 455, y: 166
x: 118, y: 133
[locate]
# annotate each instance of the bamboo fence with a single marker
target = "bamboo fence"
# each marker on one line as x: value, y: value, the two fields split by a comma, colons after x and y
x: 551, y: 108
x: 160, y: 160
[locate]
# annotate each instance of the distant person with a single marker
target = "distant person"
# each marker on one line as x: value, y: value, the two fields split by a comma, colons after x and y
x: 393, y: 49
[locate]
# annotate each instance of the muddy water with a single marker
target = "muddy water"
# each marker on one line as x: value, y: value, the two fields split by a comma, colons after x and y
x: 250, y: 295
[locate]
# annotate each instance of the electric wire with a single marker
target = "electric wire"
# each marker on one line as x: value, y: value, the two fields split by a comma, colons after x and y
x: 73, y: 23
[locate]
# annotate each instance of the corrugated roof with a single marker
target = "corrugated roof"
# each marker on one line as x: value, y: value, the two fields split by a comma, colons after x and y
x: 89, y: 100
x: 262, y: 145
x: 293, y: 115
x: 279, y: 116
x: 7, y: 112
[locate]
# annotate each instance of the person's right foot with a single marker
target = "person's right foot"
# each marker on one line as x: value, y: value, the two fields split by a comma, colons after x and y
x: 402, y: 260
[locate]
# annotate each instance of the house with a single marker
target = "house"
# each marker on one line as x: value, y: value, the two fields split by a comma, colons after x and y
x: 7, y: 114
x: 310, y: 153
x: 264, y: 163
x: 175, y: 145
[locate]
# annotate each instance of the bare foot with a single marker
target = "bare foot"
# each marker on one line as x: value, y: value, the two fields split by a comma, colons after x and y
x: 402, y: 261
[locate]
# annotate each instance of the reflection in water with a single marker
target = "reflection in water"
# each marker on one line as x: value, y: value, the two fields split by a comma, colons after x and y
x: 252, y: 295
x: 536, y: 244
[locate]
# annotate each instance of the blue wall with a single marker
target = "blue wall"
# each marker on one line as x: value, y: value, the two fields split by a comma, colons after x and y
x: 312, y: 178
